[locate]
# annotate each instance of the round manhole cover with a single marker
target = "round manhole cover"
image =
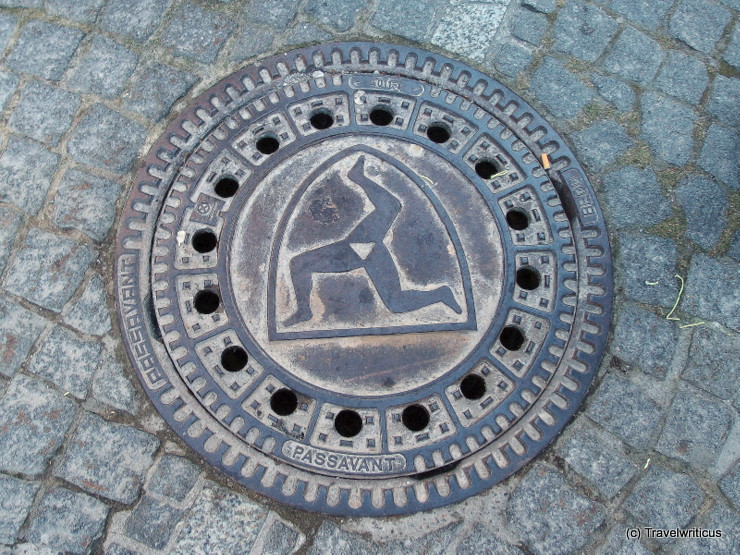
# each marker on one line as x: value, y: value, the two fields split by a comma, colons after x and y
x: 349, y: 278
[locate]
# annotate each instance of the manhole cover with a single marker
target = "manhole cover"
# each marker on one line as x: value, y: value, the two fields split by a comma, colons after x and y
x: 346, y: 279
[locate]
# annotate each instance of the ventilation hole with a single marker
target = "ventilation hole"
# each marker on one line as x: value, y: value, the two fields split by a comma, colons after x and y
x: 234, y: 358
x: 486, y: 169
x: 415, y: 418
x: 206, y: 302
x: 321, y: 120
x: 348, y: 423
x: 381, y: 116
x: 284, y: 402
x: 267, y: 144
x: 204, y: 240
x: 438, y: 133
x: 226, y: 187
x: 527, y: 278
x: 473, y: 386
x: 511, y: 338
x: 517, y: 219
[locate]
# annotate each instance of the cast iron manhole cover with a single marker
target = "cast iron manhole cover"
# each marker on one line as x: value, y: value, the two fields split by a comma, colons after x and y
x: 346, y: 278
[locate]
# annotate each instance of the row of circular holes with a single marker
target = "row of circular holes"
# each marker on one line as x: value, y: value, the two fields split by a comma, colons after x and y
x: 348, y: 423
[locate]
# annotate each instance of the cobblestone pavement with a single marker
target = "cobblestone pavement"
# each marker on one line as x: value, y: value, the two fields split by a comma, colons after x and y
x: 645, y: 90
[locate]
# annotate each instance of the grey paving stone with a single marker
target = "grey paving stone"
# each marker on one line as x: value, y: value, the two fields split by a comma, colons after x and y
x: 117, y: 549
x: 305, y: 33
x: 699, y: 24
x: 137, y: 19
x: 19, y: 329
x: 100, y: 128
x: 544, y: 6
x: 10, y: 223
x: 668, y: 127
x: 695, y: 429
x: 410, y: 19
x: 16, y: 498
x: 84, y: 11
x: 26, y: 170
x: 481, y: 541
x: 112, y: 387
x: 86, y: 202
x: 734, y: 250
x: 598, y: 457
x: 634, y: 325
x: 67, y: 361
x: 220, y: 520
x: 583, y: 31
x: 173, y: 477
x: 332, y: 539
x: 44, y: 49
x: 601, y: 143
x: 719, y: 155
x: 68, y: 521
x: 27, y: 548
x: 683, y: 77
x: 104, y: 69
x: 558, y: 89
x: 276, y: 14
x: 734, y: 4
x: 664, y: 499
x: 339, y: 14
x: 648, y: 14
x: 723, y: 99
x: 634, y: 56
x: 7, y: 27
x: 711, y: 290
x: 718, y: 518
x: 156, y: 89
x: 624, y: 409
x: 549, y: 515
x: 713, y: 363
x: 279, y: 539
x: 433, y: 543
x: 618, y: 544
x: 197, y: 33
x: 44, y: 112
x: 619, y: 93
x: 33, y: 422
x: 644, y: 259
x: 730, y: 485
x: 704, y: 203
x: 633, y: 198
x: 151, y: 522
x: 732, y: 52
x: 250, y: 41
x: 47, y: 269
x: 466, y: 28
x: 21, y: 3
x: 513, y: 58
x: 8, y: 85
x: 96, y: 443
x: 530, y: 26
x: 89, y: 314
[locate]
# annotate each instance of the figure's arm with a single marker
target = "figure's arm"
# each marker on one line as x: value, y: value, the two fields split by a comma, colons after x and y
x: 384, y: 201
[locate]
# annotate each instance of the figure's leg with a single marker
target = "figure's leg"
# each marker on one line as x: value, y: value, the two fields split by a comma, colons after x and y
x: 337, y: 257
x: 382, y: 270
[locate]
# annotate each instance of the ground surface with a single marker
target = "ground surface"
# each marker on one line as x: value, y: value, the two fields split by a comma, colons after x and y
x: 645, y: 90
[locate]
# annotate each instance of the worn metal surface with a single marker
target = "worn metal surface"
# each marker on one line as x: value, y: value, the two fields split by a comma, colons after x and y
x: 345, y: 279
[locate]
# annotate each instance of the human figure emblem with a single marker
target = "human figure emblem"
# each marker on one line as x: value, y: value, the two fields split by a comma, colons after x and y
x: 363, y: 248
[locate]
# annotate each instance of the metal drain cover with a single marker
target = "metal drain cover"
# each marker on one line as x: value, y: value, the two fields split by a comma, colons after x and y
x: 345, y: 278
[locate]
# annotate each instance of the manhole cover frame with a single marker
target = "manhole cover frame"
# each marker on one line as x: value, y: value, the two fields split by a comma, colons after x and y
x: 445, y: 481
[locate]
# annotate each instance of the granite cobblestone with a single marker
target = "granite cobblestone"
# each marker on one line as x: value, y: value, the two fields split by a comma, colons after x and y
x: 26, y: 171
